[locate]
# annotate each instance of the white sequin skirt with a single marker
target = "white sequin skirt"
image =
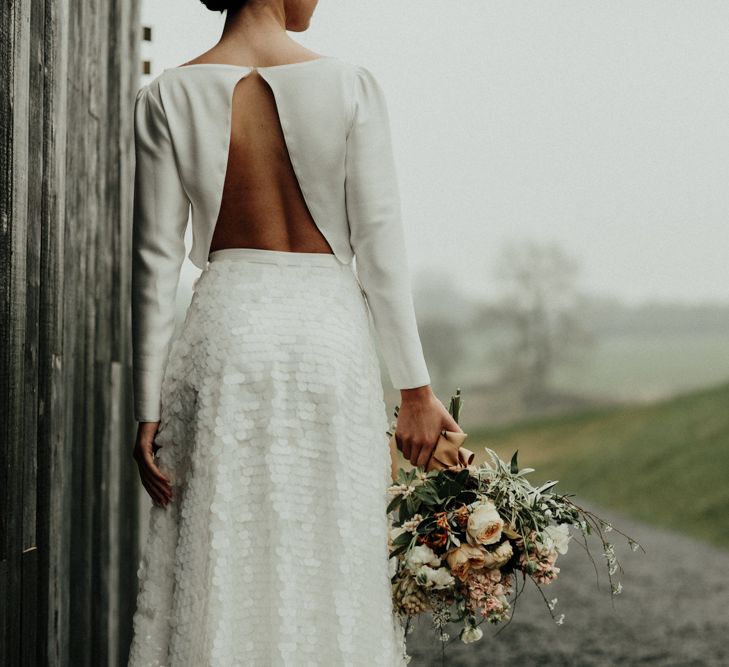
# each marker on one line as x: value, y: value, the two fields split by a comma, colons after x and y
x: 273, y: 430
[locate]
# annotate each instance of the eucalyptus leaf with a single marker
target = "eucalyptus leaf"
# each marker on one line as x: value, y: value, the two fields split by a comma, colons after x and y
x: 467, y: 497
x: 402, y: 538
x: 426, y: 525
x: 404, y: 514
x: 401, y: 549
x: 462, y: 476
x: 546, y: 486
x: 394, y: 503
x: 427, y: 494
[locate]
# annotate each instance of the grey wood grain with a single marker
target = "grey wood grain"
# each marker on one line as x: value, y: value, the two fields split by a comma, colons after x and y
x: 68, y: 554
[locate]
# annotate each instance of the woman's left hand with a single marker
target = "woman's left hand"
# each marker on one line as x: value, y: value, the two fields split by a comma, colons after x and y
x: 156, y: 483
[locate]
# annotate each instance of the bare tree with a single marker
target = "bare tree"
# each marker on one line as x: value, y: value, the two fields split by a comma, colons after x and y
x: 540, y: 308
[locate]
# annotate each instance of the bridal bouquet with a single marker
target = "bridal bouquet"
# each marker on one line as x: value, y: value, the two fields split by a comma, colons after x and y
x: 460, y: 536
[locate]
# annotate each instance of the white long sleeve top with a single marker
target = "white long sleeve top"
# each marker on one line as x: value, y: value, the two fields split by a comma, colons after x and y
x: 336, y: 126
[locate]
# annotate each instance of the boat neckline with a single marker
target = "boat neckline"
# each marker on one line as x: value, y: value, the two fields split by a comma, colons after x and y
x: 250, y: 67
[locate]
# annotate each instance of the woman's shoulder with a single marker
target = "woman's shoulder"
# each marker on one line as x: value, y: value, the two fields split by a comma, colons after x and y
x: 358, y: 70
x: 148, y: 93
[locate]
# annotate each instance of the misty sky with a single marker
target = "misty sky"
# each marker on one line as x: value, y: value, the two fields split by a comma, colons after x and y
x: 603, y: 126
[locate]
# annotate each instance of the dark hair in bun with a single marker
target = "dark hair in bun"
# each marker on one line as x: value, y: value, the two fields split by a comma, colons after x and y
x: 224, y: 5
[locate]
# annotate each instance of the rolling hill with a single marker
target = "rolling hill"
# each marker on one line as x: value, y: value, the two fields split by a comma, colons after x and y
x: 665, y: 463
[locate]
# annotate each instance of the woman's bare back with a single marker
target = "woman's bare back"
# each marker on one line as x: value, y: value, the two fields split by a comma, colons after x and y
x: 262, y: 204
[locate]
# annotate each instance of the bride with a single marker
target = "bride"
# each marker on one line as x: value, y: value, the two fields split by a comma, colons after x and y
x: 262, y: 426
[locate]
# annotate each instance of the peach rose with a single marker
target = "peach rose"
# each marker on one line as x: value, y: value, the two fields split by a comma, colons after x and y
x: 464, y: 558
x: 484, y: 525
x: 499, y: 556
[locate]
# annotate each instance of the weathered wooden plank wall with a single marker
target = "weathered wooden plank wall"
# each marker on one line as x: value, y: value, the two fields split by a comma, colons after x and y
x: 68, y: 488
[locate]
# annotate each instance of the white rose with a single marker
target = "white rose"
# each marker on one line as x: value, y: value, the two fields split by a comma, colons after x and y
x: 429, y: 577
x: 558, y: 537
x: 471, y: 634
x: 392, y: 567
x: 421, y: 555
x: 484, y: 524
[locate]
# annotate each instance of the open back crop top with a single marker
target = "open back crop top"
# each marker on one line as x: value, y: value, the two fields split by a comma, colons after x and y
x: 335, y: 123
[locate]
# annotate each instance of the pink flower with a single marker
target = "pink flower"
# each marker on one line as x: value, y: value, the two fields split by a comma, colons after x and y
x: 492, y: 604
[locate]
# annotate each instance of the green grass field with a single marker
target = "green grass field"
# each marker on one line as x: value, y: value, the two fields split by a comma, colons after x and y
x: 666, y: 463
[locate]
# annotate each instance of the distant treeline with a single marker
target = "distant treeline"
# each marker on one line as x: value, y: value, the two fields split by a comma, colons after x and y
x: 611, y: 317
x: 605, y: 316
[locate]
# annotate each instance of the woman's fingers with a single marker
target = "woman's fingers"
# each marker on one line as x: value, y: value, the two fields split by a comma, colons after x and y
x: 414, y: 449
x: 161, y: 487
x: 403, y: 446
x: 423, y: 455
x: 155, y: 495
x: 151, y: 483
x: 416, y: 453
x: 151, y: 466
x: 451, y: 424
x: 156, y: 483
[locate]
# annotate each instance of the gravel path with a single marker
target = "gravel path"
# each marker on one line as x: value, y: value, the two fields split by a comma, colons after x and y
x: 673, y: 610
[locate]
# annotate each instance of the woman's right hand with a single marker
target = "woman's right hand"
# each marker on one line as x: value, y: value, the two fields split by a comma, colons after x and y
x: 155, y: 482
x: 420, y: 420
